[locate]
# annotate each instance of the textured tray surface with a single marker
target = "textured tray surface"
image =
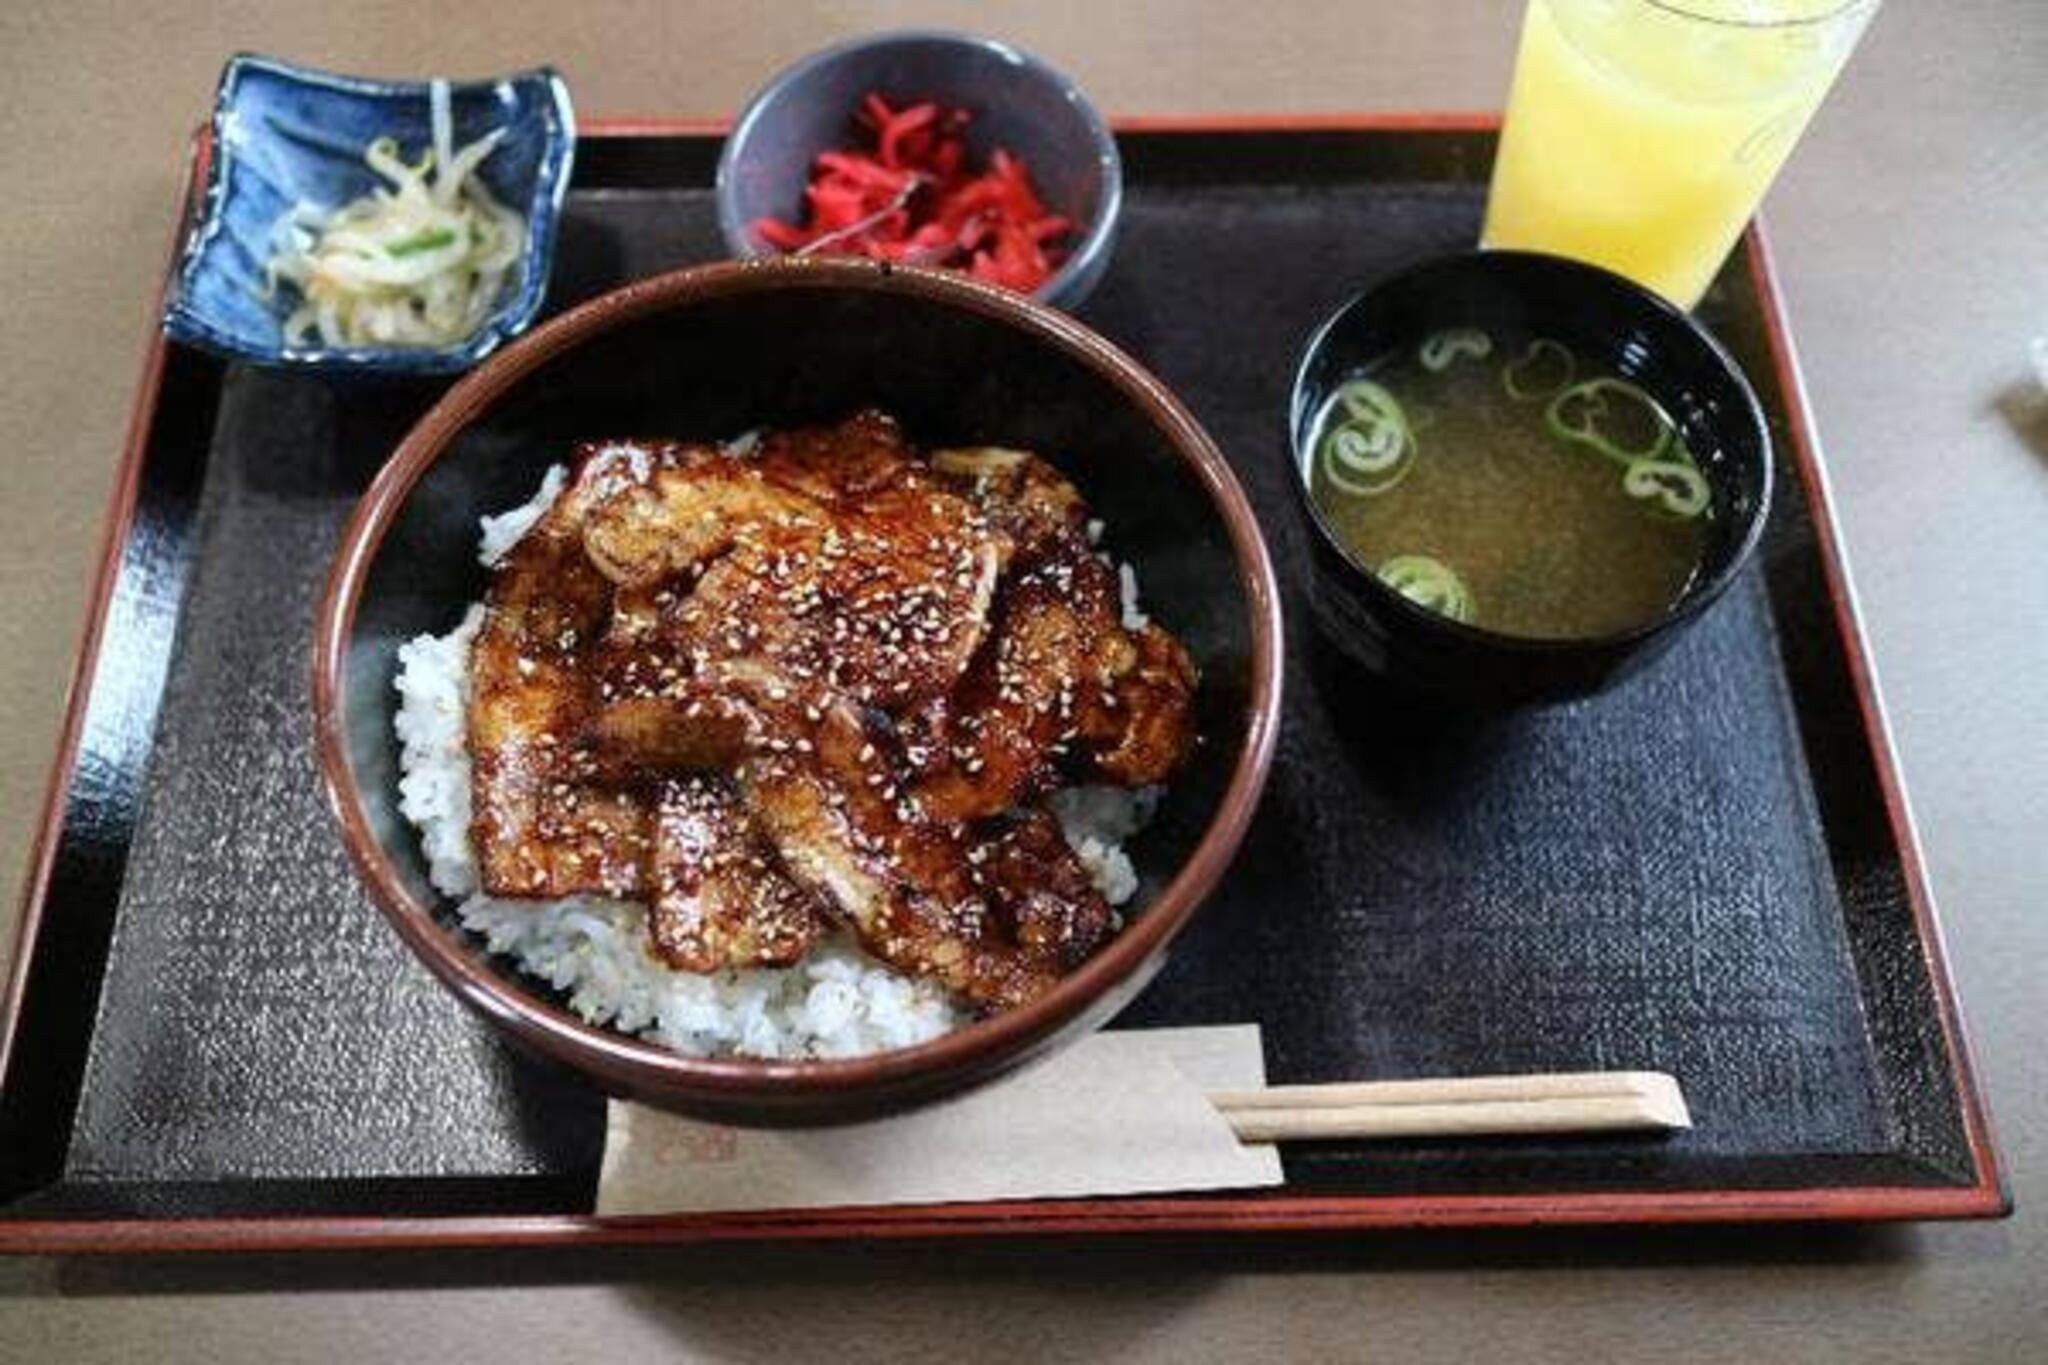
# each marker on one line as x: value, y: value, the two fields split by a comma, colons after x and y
x: 1643, y: 880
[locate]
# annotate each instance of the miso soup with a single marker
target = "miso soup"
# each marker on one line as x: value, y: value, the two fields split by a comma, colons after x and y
x: 1500, y: 481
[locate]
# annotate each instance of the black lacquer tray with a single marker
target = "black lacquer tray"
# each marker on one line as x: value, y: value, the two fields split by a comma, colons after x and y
x: 215, y: 1042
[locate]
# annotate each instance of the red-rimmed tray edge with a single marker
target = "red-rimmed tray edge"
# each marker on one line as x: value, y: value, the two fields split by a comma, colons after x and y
x: 1986, y: 1197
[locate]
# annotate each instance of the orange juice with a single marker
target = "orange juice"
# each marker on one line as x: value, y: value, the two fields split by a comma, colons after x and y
x: 1641, y: 134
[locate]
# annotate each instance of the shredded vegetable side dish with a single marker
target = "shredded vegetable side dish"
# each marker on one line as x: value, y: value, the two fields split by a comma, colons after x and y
x: 417, y: 264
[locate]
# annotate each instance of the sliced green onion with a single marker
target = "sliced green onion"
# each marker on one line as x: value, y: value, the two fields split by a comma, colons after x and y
x: 1589, y: 402
x: 1681, y: 488
x: 1664, y: 472
x: 1365, y: 401
x: 1367, y: 450
x: 1354, y: 462
x: 427, y: 239
x: 1372, y: 447
x: 1440, y: 349
x: 1528, y: 378
x: 1362, y: 451
x: 1428, y: 583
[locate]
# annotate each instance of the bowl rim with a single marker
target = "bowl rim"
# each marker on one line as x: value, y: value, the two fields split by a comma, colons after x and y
x: 542, y: 207
x: 1696, y: 598
x: 647, y: 1067
x: 1102, y: 225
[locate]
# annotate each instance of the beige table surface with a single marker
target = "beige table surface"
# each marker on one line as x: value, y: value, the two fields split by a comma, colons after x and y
x: 1913, y: 234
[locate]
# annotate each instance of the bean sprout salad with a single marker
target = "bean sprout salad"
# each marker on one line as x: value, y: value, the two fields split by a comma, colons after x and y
x: 419, y: 263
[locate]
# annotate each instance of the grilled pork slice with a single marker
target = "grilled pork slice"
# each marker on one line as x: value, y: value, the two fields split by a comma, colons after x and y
x: 552, y: 818
x: 994, y: 924
x: 542, y: 828
x: 1024, y: 496
x: 691, y: 505
x: 1060, y: 687
x: 826, y: 554
x: 718, y: 898
x: 1048, y: 902
x: 845, y: 464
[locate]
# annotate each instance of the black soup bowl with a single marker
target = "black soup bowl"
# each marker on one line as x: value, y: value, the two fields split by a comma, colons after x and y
x: 1619, y: 328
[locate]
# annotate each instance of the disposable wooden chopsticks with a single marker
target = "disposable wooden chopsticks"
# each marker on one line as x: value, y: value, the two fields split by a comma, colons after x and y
x: 1566, y: 1102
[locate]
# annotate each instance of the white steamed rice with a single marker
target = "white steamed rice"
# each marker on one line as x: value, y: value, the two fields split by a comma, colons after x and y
x: 837, y: 1002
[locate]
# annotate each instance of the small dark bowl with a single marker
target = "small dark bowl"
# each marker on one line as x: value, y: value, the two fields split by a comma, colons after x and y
x: 709, y: 352
x: 1623, y: 329
x: 1018, y: 102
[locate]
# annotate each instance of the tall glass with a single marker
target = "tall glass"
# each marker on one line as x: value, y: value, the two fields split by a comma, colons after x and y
x: 1640, y: 134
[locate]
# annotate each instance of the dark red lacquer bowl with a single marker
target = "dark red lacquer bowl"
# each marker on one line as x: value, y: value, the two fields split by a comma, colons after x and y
x: 708, y: 352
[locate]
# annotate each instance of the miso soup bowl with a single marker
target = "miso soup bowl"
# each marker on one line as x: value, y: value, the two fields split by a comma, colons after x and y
x: 1621, y: 329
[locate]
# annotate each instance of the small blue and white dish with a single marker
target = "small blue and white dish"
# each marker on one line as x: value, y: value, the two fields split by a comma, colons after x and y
x: 284, y: 134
